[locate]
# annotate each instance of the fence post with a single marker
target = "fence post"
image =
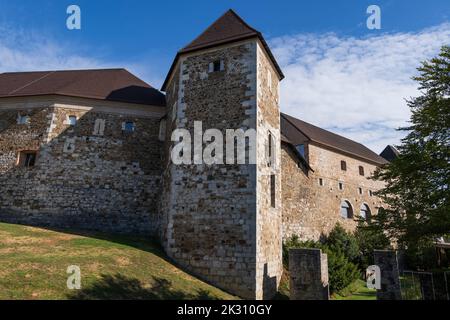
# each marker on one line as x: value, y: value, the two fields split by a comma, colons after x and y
x: 390, y: 277
x: 308, y: 270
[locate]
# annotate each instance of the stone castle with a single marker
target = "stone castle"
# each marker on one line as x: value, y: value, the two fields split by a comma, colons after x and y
x: 90, y: 149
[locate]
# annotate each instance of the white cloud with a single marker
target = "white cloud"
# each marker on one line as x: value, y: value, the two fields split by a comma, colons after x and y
x: 355, y: 86
x: 22, y: 50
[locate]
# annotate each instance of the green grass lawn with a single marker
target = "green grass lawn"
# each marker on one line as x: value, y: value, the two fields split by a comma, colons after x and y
x: 34, y: 261
x: 356, y: 291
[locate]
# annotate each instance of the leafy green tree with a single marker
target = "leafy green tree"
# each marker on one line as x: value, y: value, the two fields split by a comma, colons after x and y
x: 417, y: 182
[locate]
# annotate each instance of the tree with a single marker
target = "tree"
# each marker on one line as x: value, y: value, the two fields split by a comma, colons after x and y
x: 417, y: 182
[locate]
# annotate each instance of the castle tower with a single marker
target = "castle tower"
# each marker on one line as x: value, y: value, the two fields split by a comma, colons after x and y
x: 222, y: 222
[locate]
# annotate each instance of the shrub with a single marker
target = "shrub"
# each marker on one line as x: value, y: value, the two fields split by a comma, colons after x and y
x: 369, y: 238
x: 340, y: 240
x: 341, y: 272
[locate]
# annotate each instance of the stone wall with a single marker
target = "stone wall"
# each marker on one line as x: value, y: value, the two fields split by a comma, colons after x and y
x: 308, y: 270
x: 269, y: 245
x: 310, y: 209
x: 215, y: 226
x: 108, y: 180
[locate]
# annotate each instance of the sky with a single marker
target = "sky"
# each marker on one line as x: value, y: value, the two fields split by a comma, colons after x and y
x: 340, y: 75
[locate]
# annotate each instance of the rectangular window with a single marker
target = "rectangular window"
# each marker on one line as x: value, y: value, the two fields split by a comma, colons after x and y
x: 301, y: 149
x: 343, y: 165
x: 128, y: 127
x: 360, y: 190
x: 341, y: 186
x: 370, y: 193
x: 321, y: 182
x: 23, y: 119
x: 27, y: 159
x: 361, y: 170
x: 272, y: 190
x: 72, y: 120
x: 216, y: 66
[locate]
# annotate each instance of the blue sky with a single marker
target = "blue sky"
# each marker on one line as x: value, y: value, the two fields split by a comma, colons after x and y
x: 355, y: 79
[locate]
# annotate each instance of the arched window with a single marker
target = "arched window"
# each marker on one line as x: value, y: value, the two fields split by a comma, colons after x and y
x: 365, y: 212
x: 346, y: 210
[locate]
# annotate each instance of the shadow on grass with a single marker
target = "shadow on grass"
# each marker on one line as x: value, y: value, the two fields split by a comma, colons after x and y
x: 120, y: 287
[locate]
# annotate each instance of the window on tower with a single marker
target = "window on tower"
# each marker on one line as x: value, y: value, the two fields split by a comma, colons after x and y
x: 216, y: 66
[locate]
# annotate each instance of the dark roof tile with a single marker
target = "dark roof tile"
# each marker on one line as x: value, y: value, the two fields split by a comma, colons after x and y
x: 297, y: 130
x: 105, y: 84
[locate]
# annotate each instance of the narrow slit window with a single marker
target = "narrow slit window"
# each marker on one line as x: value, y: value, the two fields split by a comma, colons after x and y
x: 343, y: 165
x: 341, y: 186
x: 361, y: 170
x: 321, y: 182
x: 272, y: 190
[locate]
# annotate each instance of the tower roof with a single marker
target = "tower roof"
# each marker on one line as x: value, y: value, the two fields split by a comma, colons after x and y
x: 390, y: 153
x: 228, y: 28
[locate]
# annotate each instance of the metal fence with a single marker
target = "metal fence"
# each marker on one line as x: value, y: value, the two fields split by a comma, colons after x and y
x: 417, y: 285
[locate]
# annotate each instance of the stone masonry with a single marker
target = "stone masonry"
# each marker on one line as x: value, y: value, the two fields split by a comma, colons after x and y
x: 308, y: 274
x: 107, y: 181
x: 311, y: 210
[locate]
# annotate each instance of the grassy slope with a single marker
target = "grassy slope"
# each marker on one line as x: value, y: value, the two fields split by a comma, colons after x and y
x: 33, y: 264
x: 356, y: 291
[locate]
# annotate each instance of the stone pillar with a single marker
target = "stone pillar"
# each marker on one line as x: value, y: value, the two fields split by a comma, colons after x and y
x: 308, y: 270
x: 390, y: 277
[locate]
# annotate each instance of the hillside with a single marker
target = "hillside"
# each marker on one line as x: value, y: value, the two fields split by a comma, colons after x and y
x: 34, y: 262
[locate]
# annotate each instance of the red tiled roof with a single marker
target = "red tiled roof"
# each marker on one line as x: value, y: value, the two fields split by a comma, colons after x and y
x: 228, y: 28
x: 297, y: 130
x: 105, y: 84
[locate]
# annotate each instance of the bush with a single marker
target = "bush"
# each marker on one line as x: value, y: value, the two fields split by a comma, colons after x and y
x: 369, y: 238
x: 340, y: 240
x: 341, y: 272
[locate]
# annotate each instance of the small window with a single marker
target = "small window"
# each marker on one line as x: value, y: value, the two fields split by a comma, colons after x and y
x: 272, y: 190
x: 321, y: 182
x: 346, y: 210
x: 128, y: 127
x: 343, y: 165
x: 301, y: 149
x: 216, y: 66
x: 27, y: 159
x: 360, y: 190
x: 361, y: 170
x: 23, y: 119
x: 365, y: 212
x: 341, y: 186
x: 72, y: 120
x: 370, y: 193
